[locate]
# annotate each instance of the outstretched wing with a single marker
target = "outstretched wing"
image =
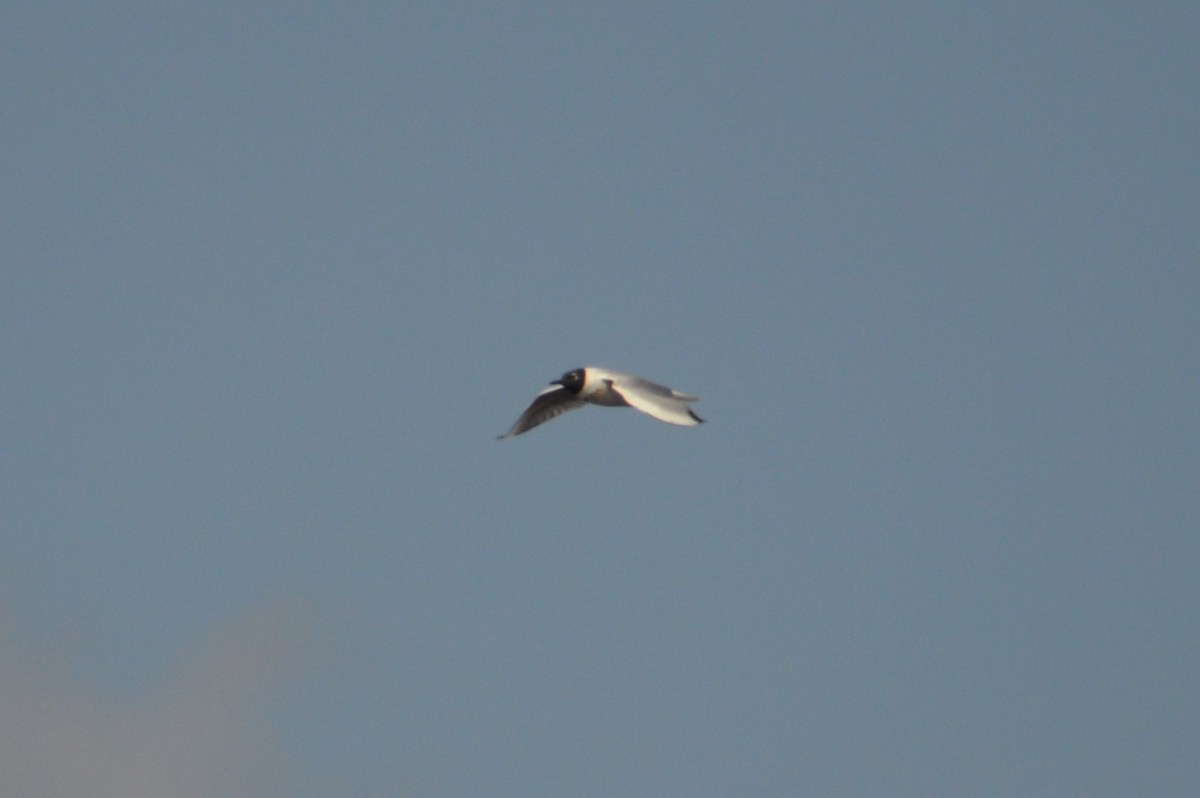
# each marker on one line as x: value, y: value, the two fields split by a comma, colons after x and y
x: 657, y: 401
x: 553, y: 400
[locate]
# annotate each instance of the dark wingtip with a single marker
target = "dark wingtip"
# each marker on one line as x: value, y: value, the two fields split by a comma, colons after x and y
x: 698, y: 419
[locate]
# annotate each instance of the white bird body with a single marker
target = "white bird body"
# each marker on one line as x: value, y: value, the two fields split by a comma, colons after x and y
x: 600, y: 386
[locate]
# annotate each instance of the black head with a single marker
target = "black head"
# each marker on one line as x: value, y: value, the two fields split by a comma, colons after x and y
x: 573, y: 380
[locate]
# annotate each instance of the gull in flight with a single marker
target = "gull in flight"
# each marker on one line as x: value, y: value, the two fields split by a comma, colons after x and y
x: 597, y: 386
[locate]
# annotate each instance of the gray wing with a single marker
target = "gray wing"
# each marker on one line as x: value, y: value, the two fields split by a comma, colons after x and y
x: 646, y: 387
x: 656, y: 400
x: 551, y: 402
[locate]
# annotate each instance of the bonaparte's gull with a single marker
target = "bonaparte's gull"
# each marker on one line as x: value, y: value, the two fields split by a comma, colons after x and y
x: 597, y: 386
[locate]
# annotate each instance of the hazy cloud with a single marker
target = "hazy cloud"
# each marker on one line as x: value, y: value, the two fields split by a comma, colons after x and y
x: 204, y: 731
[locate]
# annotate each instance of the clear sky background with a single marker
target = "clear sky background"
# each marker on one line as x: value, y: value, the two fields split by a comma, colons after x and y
x: 275, y: 276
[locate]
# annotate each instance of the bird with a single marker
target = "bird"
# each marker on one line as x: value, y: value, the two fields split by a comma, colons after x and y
x: 599, y: 386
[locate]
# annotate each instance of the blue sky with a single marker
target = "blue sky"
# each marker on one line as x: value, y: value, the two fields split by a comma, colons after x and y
x: 276, y: 276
